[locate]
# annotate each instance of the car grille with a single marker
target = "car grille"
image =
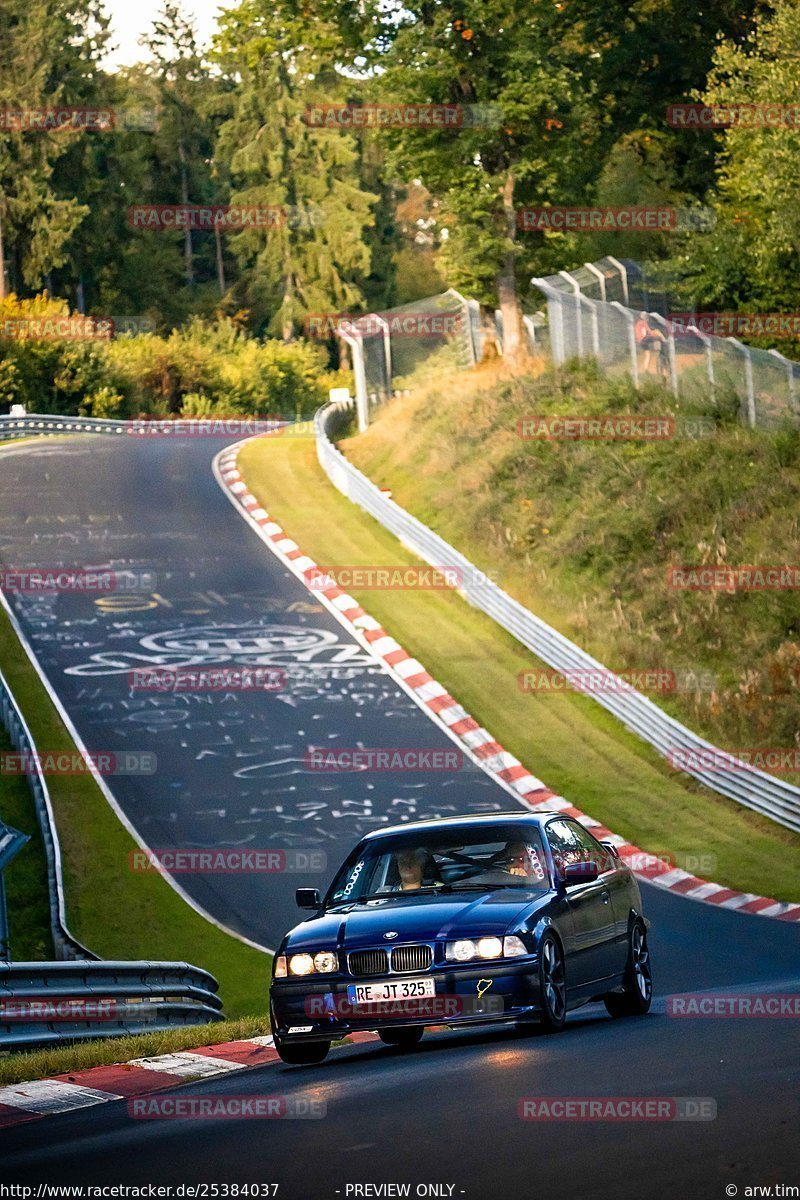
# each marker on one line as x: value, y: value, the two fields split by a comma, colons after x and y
x: 369, y: 962
x: 379, y: 962
x: 411, y: 958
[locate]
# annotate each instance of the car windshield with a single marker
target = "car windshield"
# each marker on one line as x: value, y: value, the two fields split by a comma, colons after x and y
x: 431, y: 861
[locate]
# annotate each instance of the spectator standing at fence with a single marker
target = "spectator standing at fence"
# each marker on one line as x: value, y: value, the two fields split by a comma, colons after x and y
x: 648, y: 339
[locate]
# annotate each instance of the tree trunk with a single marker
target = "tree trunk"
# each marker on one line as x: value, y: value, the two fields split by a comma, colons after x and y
x: 220, y: 263
x: 2, y: 259
x: 514, y: 346
x: 187, y: 233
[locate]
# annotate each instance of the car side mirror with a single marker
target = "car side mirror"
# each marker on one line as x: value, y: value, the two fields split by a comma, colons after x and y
x: 580, y: 872
x: 307, y: 898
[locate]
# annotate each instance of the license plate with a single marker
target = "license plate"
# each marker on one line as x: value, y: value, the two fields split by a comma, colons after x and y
x: 390, y: 989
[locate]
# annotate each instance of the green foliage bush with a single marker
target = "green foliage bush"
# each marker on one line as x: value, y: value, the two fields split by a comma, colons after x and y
x: 204, y: 368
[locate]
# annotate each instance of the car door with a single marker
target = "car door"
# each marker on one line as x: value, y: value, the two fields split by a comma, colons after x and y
x: 589, y: 902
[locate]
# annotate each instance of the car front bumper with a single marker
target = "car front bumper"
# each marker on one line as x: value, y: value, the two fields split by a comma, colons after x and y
x: 319, y: 1009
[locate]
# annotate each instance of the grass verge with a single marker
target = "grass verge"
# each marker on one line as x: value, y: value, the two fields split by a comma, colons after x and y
x: 578, y: 749
x: 58, y: 1060
x: 118, y: 913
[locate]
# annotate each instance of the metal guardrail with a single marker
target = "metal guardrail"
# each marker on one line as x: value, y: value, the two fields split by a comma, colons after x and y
x: 45, y: 1003
x: 19, y: 427
x: 65, y: 945
x: 752, y: 788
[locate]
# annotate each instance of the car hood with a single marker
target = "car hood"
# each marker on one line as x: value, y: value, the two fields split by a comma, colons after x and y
x: 471, y: 914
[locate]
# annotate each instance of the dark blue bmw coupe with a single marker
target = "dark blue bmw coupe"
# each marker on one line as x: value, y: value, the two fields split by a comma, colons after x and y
x: 516, y: 917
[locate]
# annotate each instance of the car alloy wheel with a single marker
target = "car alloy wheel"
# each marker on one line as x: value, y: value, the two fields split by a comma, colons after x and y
x: 553, y: 984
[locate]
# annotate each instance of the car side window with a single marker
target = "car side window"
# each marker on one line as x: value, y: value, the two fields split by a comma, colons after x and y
x: 591, y: 848
x: 563, y: 844
x: 571, y: 843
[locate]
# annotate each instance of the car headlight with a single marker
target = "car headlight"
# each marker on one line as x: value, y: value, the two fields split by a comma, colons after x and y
x: 280, y: 967
x: 468, y: 950
x: 325, y: 962
x: 461, y: 951
x: 301, y: 964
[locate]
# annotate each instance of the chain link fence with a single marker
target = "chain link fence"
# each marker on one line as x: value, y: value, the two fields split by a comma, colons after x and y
x: 427, y: 337
x: 593, y: 313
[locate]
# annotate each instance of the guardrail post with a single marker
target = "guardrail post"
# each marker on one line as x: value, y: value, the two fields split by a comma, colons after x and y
x: 748, y: 375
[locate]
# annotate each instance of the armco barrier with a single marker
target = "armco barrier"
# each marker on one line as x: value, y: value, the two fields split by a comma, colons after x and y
x: 65, y: 945
x: 22, y: 427
x: 754, y: 789
x: 44, y: 1003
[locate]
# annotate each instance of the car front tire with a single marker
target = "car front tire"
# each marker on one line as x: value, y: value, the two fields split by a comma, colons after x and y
x: 403, y: 1039
x: 552, y: 985
x: 637, y: 996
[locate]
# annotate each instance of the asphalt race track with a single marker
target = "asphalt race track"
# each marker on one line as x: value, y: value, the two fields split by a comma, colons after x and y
x: 232, y: 769
x: 445, y: 1114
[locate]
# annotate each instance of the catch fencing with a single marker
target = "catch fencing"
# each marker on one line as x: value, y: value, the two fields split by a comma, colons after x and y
x: 754, y: 789
x: 592, y: 314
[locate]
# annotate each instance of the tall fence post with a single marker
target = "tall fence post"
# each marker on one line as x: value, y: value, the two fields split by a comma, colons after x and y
x: 600, y: 277
x: 789, y: 365
x: 629, y: 321
x: 576, y: 291
x: 387, y: 351
x: 555, y: 313
x: 709, y: 353
x: 623, y: 274
x: 670, y: 336
x: 472, y: 312
x: 592, y: 306
x: 362, y: 400
x: 748, y: 375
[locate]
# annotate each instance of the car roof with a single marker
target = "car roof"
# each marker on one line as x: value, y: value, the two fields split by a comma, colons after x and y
x: 484, y: 819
